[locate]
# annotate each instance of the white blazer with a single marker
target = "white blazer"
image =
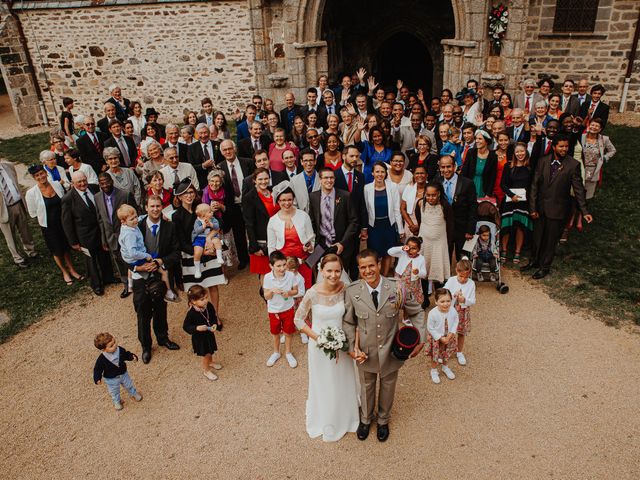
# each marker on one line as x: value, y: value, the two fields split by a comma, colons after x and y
x: 300, y: 192
x: 275, y: 230
x: 435, y: 322
x: 393, y: 202
x: 35, y: 202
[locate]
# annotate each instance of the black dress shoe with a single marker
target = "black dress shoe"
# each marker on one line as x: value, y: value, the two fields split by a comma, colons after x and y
x: 98, y: 291
x: 383, y: 433
x: 540, y: 274
x: 363, y: 431
x: 125, y: 292
x: 22, y: 265
x: 146, y: 356
x: 529, y: 266
x: 171, y: 345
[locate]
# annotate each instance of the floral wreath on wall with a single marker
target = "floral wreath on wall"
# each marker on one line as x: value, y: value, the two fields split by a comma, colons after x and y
x: 498, y: 21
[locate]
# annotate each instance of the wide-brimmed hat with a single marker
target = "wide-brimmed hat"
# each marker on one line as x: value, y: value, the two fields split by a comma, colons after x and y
x: 182, y: 187
x: 279, y: 189
x: 152, y: 111
x: 35, y: 168
x: 466, y: 91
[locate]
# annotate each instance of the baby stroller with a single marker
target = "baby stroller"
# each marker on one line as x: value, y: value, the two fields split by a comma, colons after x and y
x: 489, y: 215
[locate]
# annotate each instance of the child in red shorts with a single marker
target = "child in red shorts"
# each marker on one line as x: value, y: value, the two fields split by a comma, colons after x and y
x: 279, y: 291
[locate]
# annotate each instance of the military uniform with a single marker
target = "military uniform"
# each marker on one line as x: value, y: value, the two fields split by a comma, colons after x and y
x: 377, y: 328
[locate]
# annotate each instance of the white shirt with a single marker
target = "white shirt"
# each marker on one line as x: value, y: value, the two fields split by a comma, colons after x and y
x: 404, y: 259
x: 236, y: 166
x: 378, y: 288
x: 209, y: 147
x: 278, y: 303
x: 290, y: 173
x: 84, y: 197
x: 468, y: 290
x: 435, y: 322
x: 185, y: 170
x: 88, y: 171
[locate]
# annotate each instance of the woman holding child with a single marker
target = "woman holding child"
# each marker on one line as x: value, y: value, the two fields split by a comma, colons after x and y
x: 332, y: 402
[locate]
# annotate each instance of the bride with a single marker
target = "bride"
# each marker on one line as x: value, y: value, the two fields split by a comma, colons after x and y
x: 332, y: 404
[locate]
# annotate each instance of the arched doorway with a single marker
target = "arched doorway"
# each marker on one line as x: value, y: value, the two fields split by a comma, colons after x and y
x: 385, y: 37
x: 403, y: 56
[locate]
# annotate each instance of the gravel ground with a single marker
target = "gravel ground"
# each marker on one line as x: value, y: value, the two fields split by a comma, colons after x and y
x: 546, y: 394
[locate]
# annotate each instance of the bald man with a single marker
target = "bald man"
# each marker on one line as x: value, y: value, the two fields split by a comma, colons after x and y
x: 290, y: 112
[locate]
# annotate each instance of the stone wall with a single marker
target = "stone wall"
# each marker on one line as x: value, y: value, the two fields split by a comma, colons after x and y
x: 601, y: 57
x: 166, y: 55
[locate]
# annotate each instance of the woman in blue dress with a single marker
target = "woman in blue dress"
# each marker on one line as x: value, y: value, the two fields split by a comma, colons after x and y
x: 385, y: 225
x: 374, y: 150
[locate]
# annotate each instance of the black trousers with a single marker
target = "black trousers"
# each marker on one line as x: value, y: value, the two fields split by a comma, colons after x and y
x: 546, y: 235
x: 239, y: 233
x: 123, y: 268
x: 146, y: 310
x: 99, y: 268
x: 458, y: 243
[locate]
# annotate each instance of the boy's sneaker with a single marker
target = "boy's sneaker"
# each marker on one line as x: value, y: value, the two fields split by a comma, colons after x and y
x: 216, y: 366
x: 197, y: 273
x: 281, y: 339
x: 461, y: 358
x: 275, y: 356
x: 447, y: 371
x: 492, y: 277
x: 480, y: 277
x: 210, y: 375
x: 435, y: 377
x: 117, y: 406
x: 137, y: 397
x: 171, y: 296
x: 304, y: 338
x: 293, y: 363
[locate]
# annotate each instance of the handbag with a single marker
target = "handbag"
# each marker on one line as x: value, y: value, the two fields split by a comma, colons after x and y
x: 155, y: 288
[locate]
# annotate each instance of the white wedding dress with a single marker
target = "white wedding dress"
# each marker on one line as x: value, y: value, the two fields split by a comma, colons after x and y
x: 332, y: 403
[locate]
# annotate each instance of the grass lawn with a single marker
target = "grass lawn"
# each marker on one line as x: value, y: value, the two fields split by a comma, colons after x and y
x: 598, y: 270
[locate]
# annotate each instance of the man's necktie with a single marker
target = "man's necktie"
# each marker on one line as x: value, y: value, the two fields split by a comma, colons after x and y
x: 4, y: 187
x: 109, y: 208
x: 125, y: 152
x: 555, y: 167
x: 256, y: 145
x: 447, y: 191
x: 326, y: 224
x: 176, y: 178
x: 464, y: 153
x: 548, y: 147
x: 527, y: 105
x: 292, y: 174
x: 96, y: 143
x: 350, y: 181
x: 154, y: 230
x: 206, y: 153
x: 374, y: 297
x: 234, y: 182
x: 90, y: 204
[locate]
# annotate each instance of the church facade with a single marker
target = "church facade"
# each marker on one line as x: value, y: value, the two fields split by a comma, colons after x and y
x: 170, y: 54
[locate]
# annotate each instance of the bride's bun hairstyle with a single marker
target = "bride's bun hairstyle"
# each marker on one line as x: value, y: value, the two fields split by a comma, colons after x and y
x: 329, y: 258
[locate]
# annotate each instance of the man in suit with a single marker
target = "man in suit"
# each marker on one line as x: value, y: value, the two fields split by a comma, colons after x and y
x: 582, y: 95
x: 517, y: 131
x: 569, y: 103
x: 334, y: 218
x: 364, y: 105
x: 235, y: 170
x: 108, y: 200
x: 173, y: 135
x: 119, y: 102
x: 595, y: 108
x: 175, y: 171
x: 312, y: 106
x: 461, y: 195
x: 528, y: 98
x: 254, y: 142
x: 497, y: 92
x: 347, y: 90
x: 261, y: 160
x: 242, y: 126
x: 406, y: 135
x: 290, y: 112
x: 329, y: 105
x: 91, y: 145
x: 109, y: 115
x: 202, y: 154
x: 543, y: 142
x: 306, y: 181
x: 161, y: 239
x: 13, y: 215
x: 126, y: 145
x: 207, y: 116
x: 273, y: 122
x: 373, y: 305
x: 82, y: 228
x: 550, y: 203
x: 291, y: 166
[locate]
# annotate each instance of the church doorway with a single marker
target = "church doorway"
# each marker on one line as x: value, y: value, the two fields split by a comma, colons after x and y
x: 399, y: 39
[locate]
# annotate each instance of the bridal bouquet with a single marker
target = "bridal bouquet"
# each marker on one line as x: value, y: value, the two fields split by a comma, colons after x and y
x: 331, y: 340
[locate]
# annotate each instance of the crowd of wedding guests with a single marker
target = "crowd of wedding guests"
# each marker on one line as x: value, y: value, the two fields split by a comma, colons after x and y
x: 348, y: 167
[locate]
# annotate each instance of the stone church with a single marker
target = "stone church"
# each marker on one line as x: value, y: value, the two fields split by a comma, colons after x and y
x: 171, y: 53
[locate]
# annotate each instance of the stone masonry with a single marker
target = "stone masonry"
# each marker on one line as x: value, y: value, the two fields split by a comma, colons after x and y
x: 167, y: 55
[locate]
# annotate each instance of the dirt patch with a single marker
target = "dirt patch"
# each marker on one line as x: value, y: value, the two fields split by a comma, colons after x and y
x: 547, y: 393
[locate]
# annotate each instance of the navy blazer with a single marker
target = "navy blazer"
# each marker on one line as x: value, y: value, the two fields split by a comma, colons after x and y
x: 105, y: 368
x: 356, y: 195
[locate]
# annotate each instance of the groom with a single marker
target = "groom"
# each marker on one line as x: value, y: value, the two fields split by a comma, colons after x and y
x: 373, y: 305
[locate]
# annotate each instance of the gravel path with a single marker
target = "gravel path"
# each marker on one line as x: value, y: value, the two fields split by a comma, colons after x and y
x: 546, y: 394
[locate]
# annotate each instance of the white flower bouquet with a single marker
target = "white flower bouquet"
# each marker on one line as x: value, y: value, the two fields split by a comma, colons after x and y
x: 331, y: 340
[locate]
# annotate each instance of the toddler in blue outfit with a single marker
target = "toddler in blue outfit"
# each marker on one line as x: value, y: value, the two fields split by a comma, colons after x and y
x: 453, y: 146
x: 205, y: 237
x: 132, y: 247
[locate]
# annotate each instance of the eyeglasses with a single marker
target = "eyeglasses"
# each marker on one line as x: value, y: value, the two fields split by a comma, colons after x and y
x: 311, y: 137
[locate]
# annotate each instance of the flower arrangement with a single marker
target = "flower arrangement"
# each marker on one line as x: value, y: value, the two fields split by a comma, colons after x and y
x: 331, y: 340
x: 498, y: 21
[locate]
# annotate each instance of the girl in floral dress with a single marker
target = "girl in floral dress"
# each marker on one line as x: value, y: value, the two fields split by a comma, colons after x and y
x: 442, y: 324
x: 411, y: 266
x: 463, y: 291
